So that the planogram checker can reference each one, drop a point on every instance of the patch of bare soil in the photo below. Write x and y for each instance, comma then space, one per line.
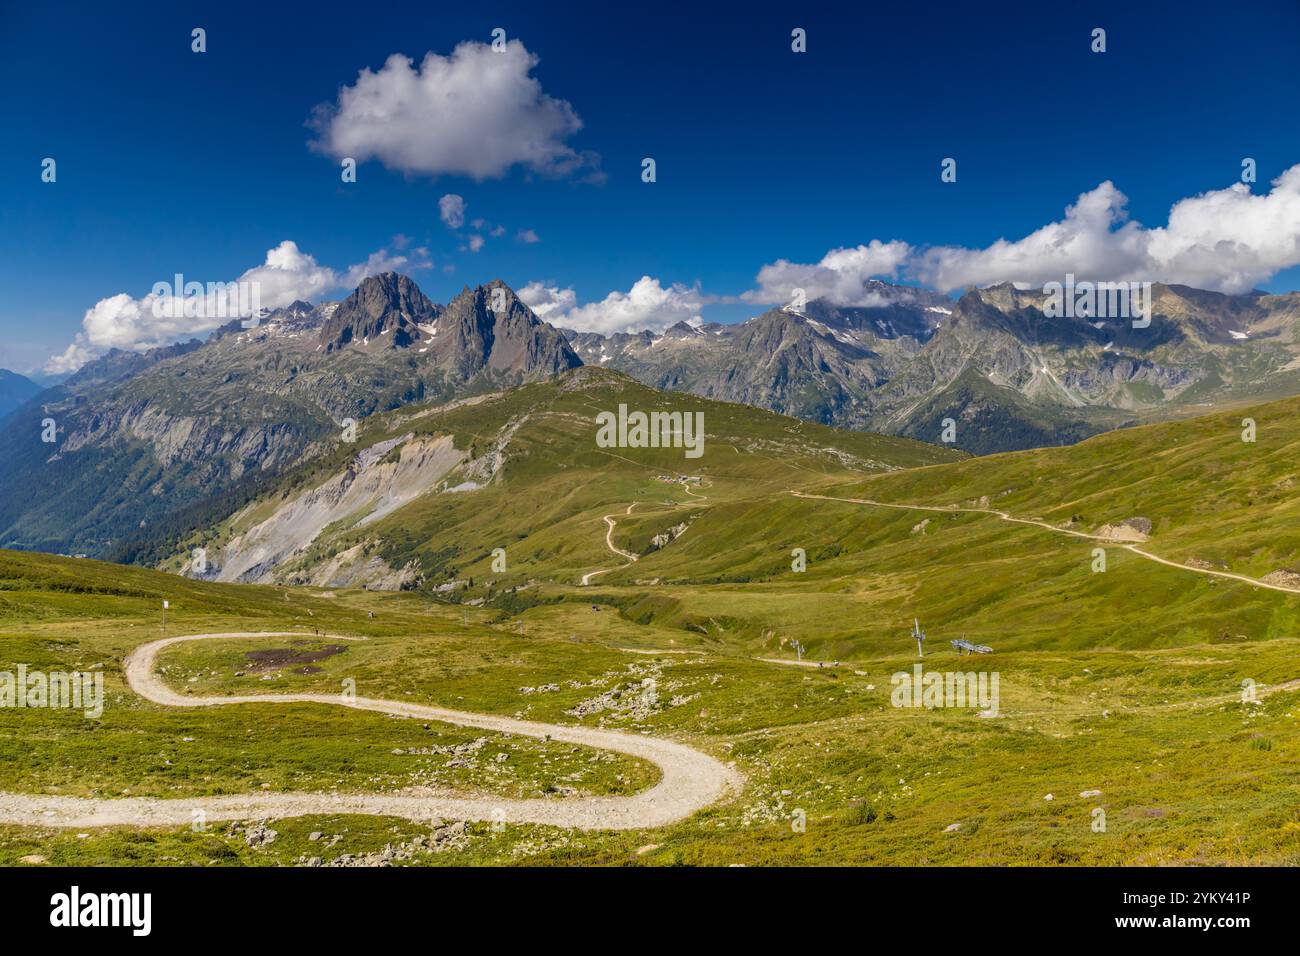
274, 659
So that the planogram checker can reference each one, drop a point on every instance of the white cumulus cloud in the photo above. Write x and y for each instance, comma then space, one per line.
1230, 240
840, 276
1226, 239
166, 315
288, 274
547, 302
647, 305
476, 113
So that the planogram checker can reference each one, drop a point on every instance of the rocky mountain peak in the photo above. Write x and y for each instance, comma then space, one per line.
682, 330
385, 309
489, 327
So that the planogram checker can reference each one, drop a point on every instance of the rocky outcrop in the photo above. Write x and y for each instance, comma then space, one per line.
665, 538
1283, 577
1130, 529
216, 447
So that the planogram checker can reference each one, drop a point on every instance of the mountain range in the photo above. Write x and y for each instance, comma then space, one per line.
1006, 375
148, 446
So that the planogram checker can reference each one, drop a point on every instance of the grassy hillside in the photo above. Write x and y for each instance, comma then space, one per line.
728, 576
1210, 495
1214, 502
540, 483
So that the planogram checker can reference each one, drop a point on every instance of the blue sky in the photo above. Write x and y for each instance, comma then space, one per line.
171, 161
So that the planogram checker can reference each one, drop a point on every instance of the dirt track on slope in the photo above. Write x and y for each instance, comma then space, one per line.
816, 665
609, 543
1255, 582
690, 780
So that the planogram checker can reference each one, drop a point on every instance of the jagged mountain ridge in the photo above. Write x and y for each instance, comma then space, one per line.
140, 437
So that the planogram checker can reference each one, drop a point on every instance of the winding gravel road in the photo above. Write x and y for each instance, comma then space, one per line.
609, 543
690, 780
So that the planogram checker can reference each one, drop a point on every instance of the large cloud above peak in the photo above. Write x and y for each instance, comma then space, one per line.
647, 305
840, 276
1230, 240
1093, 241
477, 113
289, 274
